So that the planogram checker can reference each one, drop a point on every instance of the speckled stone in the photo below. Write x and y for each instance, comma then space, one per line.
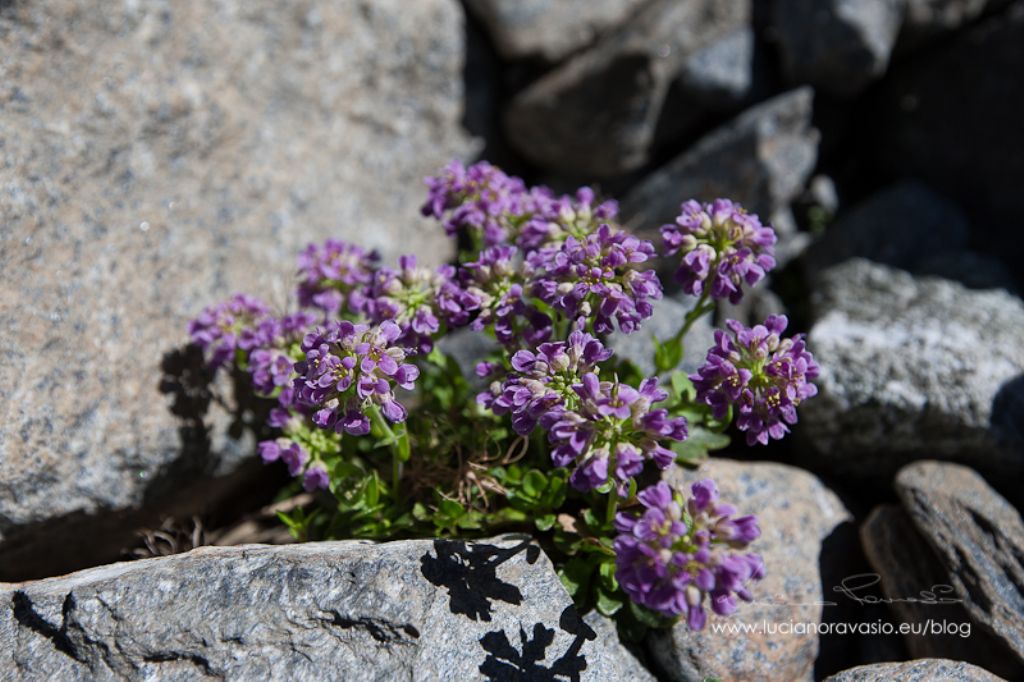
921, 670
911, 368
415, 610
549, 29
979, 539
154, 158
596, 113
796, 513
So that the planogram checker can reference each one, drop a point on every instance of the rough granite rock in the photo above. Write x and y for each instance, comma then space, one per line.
921, 670
913, 577
796, 514
947, 94
154, 158
839, 46
418, 610
721, 74
914, 368
596, 114
979, 539
762, 159
549, 29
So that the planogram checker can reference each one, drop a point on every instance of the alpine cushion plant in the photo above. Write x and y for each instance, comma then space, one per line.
554, 433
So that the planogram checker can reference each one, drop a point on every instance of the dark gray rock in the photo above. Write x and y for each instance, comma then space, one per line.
419, 609
549, 29
921, 593
926, 20
913, 368
979, 539
156, 157
973, 270
937, 121
722, 74
921, 670
899, 226
596, 114
839, 46
762, 159
796, 514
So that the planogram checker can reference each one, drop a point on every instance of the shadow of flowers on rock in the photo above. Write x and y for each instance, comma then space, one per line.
505, 662
470, 574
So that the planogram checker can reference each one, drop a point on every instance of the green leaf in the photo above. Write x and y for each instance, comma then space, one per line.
545, 522
534, 483
667, 355
577, 575
608, 603
696, 447
683, 387
607, 572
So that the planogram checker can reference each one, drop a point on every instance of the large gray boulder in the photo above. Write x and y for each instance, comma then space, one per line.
797, 514
417, 610
549, 29
920, 592
762, 159
596, 114
979, 539
156, 157
920, 670
914, 368
839, 46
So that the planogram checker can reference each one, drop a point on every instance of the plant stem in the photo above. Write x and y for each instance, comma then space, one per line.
398, 446
613, 505
703, 306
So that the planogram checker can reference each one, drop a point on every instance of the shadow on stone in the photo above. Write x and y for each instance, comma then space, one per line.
194, 481
505, 662
469, 573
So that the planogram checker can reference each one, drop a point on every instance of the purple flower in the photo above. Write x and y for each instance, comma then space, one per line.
288, 451
610, 431
597, 280
480, 200
495, 283
759, 373
332, 276
315, 478
350, 370
419, 301
723, 247
497, 209
223, 328
557, 219
542, 380
674, 556
272, 344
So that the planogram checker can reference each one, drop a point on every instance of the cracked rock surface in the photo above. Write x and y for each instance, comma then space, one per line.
418, 609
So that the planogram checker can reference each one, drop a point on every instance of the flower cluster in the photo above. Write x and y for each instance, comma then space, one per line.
611, 431
272, 356
497, 209
597, 280
349, 374
673, 557
722, 248
222, 329
543, 380
333, 276
763, 375
495, 284
419, 301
